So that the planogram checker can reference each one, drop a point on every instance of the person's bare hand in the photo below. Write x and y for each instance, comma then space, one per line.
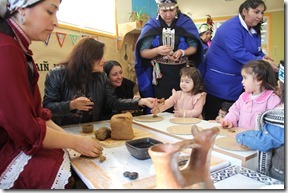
179, 113
81, 103
155, 110
149, 102
226, 124
176, 55
266, 57
88, 146
164, 50
271, 62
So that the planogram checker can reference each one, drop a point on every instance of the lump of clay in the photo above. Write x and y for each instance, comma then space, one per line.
103, 133
121, 126
88, 128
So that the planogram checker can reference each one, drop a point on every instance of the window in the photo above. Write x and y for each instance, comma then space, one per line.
93, 15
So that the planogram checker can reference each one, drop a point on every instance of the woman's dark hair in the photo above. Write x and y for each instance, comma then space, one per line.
262, 71
81, 60
195, 75
253, 4
109, 65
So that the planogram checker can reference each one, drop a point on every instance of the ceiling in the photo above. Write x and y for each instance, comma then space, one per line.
198, 9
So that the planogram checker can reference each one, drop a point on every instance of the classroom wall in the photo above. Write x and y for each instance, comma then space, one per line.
47, 55
277, 41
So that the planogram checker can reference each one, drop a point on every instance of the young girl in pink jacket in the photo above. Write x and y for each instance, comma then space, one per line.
189, 101
259, 83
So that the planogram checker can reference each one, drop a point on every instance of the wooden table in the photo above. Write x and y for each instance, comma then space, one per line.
109, 174
244, 158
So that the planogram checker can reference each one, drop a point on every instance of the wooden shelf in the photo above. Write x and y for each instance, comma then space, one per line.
125, 29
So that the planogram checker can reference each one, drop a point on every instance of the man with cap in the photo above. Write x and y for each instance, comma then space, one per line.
167, 43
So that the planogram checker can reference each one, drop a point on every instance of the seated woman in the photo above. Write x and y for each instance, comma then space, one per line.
77, 89
123, 87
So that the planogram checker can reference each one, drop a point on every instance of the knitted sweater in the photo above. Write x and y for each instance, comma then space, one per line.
272, 161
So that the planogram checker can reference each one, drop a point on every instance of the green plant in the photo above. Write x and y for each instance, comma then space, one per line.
139, 16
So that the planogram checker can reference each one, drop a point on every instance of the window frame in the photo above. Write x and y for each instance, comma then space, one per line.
64, 17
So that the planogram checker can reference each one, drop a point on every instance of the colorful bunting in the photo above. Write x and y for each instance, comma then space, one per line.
60, 38
74, 38
47, 41
85, 36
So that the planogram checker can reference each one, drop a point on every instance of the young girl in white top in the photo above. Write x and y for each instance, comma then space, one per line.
259, 83
189, 101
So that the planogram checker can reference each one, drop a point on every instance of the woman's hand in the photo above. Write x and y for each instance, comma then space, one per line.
88, 146
82, 104
176, 55
271, 62
164, 50
152, 53
149, 102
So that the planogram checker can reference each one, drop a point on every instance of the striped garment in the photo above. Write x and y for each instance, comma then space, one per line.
273, 117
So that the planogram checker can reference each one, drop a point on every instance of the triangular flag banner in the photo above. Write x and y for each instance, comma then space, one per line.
85, 36
47, 41
60, 38
74, 38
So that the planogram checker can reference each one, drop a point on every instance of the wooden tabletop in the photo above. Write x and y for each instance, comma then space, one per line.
109, 174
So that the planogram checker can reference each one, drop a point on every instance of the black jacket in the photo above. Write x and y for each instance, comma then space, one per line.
57, 97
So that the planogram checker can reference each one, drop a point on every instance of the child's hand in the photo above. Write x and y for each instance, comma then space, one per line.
179, 113
155, 110
173, 91
226, 124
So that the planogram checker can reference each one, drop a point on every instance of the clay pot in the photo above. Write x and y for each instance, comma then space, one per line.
87, 128
121, 126
196, 173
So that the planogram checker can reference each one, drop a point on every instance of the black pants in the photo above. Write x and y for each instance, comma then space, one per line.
212, 106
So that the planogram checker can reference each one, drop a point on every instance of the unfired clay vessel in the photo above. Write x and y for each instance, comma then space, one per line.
196, 173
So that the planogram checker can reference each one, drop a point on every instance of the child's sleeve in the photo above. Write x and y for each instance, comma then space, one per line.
234, 113
273, 101
271, 136
198, 103
170, 102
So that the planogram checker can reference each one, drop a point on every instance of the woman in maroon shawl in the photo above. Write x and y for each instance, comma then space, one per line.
32, 147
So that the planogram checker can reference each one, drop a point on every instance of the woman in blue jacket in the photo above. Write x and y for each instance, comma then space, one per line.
236, 42
167, 43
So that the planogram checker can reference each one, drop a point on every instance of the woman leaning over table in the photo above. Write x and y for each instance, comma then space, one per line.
77, 90
123, 87
236, 42
159, 56
32, 147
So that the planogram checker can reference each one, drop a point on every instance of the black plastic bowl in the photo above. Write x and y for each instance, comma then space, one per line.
138, 148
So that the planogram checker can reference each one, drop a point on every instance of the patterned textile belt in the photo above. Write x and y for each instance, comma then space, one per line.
166, 60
